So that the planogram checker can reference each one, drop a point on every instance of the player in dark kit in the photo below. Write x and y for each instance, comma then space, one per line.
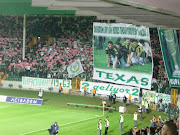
122, 53
111, 54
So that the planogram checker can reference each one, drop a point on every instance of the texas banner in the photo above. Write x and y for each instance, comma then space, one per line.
75, 68
108, 88
122, 54
171, 50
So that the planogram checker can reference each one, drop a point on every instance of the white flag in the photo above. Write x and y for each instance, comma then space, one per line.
75, 68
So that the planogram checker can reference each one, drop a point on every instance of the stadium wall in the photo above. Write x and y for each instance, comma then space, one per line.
18, 85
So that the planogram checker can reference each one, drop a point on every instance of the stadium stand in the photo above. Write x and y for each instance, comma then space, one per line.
46, 58
52, 44
160, 81
50, 38
155, 127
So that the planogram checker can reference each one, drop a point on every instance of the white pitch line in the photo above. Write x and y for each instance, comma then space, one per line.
61, 125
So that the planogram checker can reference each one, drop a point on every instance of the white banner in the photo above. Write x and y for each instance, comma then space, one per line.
107, 89
147, 94
75, 68
120, 54
165, 98
31, 82
3, 98
127, 78
121, 30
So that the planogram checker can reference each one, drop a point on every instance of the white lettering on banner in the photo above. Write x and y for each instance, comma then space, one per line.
3, 98
107, 89
26, 101
45, 83
175, 81
127, 78
34, 101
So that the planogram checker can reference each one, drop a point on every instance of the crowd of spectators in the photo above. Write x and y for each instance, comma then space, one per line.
71, 38
46, 58
170, 109
160, 81
158, 126
11, 26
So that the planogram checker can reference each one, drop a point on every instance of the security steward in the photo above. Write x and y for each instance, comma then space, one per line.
94, 92
121, 119
106, 125
60, 89
85, 90
99, 127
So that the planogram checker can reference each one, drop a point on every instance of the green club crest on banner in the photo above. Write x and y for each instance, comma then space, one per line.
75, 67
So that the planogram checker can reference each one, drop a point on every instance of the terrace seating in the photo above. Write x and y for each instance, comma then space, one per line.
47, 60
159, 73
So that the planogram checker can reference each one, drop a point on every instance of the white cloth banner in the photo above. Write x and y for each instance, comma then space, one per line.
75, 68
122, 77
121, 30
31, 82
107, 89
3, 98
147, 94
165, 98
110, 62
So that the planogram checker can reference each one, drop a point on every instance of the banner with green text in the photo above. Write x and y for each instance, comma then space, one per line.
107, 89
31, 82
147, 94
166, 99
122, 54
171, 54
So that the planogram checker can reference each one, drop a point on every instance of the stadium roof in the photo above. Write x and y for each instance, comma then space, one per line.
152, 13
139, 12
20, 7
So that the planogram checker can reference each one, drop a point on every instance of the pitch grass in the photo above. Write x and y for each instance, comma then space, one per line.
19, 119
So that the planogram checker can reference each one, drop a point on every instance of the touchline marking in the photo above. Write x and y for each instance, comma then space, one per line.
62, 125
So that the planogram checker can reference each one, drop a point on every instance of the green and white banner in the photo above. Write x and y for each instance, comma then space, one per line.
147, 94
121, 30
107, 89
165, 98
126, 78
75, 68
30, 82
122, 54
171, 55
